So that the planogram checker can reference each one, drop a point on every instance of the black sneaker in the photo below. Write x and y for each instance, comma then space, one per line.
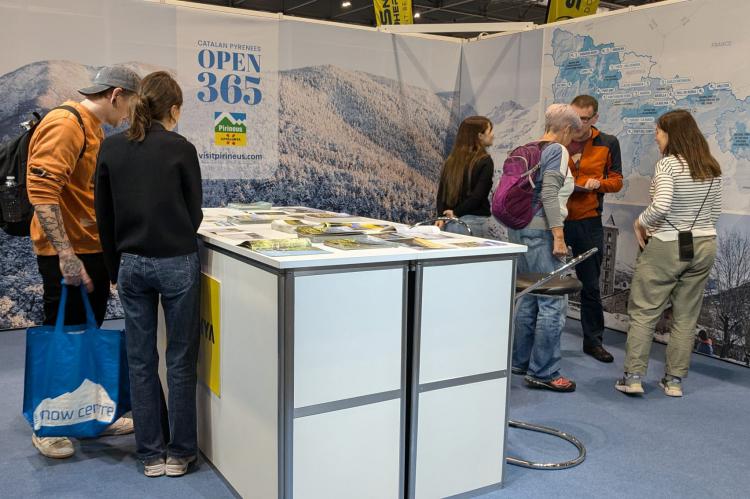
559, 384
599, 353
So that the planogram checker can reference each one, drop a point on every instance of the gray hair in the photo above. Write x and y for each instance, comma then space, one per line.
558, 116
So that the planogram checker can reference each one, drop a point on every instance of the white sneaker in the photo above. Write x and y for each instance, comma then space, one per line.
178, 466
54, 447
122, 426
154, 467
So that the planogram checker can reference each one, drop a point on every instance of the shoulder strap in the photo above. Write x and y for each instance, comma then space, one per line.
699, 209
75, 113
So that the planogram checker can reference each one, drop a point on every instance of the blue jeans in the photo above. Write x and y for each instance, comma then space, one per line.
539, 320
141, 282
477, 224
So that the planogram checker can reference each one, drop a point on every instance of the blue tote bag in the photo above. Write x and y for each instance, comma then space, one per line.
76, 376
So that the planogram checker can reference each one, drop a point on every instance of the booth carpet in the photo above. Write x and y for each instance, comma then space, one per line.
654, 446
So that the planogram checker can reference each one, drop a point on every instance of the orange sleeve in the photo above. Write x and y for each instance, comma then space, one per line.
53, 154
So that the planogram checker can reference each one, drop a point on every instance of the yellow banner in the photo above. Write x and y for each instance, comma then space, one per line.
208, 356
393, 12
560, 10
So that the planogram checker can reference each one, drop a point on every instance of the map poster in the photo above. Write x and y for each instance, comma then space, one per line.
639, 65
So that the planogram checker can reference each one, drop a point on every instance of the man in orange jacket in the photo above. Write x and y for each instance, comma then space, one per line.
597, 168
60, 184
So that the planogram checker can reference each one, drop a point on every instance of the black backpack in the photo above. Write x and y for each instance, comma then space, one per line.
14, 156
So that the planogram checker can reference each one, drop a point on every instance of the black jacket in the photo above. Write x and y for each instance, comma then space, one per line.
474, 196
148, 196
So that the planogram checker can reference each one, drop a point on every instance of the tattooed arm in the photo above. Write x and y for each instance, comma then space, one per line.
71, 266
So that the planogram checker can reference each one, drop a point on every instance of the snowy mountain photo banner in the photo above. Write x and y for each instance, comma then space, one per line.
285, 111
501, 79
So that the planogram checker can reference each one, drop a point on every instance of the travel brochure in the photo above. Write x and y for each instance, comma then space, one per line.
319, 233
256, 217
283, 247
477, 244
421, 243
359, 243
339, 231
258, 205
288, 225
233, 232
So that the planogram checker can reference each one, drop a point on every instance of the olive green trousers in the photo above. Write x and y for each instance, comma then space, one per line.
660, 279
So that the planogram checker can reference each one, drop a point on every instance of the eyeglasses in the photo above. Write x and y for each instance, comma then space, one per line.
586, 119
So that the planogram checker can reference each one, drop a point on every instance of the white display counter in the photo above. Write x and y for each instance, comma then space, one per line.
361, 373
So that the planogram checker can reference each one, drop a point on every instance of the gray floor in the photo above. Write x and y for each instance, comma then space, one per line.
646, 447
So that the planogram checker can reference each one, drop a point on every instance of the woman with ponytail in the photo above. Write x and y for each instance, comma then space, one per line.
466, 178
148, 207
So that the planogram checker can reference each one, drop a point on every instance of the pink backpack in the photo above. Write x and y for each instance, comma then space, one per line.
513, 201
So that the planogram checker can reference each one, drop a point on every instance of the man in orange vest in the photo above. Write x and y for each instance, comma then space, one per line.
597, 168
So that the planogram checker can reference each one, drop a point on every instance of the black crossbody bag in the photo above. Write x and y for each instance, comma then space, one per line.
685, 237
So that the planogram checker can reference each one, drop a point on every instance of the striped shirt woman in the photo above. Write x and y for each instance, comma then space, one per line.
676, 261
681, 203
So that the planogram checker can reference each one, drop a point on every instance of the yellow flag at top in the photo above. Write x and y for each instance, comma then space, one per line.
393, 12
560, 10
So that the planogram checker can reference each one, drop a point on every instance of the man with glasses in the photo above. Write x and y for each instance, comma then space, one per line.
597, 168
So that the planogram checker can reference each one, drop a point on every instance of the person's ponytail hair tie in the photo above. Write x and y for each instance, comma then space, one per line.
140, 119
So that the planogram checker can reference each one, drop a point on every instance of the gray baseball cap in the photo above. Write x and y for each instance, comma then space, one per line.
113, 77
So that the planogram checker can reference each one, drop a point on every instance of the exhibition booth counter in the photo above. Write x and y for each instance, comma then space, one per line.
362, 360
221, 228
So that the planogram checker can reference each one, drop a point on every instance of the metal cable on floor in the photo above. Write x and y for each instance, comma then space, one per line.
516, 461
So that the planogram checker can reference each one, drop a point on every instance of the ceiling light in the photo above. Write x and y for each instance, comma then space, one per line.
417, 15
346, 4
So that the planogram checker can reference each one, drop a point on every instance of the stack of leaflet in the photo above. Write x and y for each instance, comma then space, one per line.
256, 217
288, 225
254, 206
283, 247
328, 216
323, 232
359, 243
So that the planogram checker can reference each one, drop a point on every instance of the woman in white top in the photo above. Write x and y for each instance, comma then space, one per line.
677, 233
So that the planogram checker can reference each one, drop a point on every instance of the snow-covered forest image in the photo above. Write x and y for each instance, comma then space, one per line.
353, 142
348, 141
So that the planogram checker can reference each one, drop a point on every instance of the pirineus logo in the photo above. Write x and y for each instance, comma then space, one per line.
88, 402
230, 129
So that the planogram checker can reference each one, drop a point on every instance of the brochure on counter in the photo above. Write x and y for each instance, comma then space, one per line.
327, 216
477, 244
323, 232
288, 225
335, 230
359, 243
283, 247
257, 217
